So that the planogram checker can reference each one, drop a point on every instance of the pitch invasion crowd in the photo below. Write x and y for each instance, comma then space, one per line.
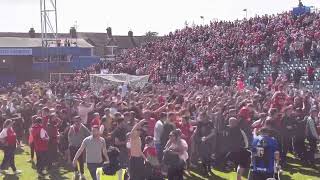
159, 129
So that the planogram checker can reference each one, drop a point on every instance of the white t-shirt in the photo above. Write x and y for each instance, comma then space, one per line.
83, 112
49, 93
113, 111
124, 90
43, 134
158, 129
184, 156
4, 133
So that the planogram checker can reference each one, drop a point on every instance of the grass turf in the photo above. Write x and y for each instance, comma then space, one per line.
294, 171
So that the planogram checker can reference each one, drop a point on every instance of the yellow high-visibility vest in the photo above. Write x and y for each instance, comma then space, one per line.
110, 177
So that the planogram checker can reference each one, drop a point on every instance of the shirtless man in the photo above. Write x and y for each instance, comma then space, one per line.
136, 165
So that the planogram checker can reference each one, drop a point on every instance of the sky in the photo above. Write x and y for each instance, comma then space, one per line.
140, 16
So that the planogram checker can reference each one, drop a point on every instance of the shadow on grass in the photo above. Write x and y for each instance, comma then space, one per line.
305, 171
19, 151
296, 166
60, 171
57, 174
10, 177
196, 173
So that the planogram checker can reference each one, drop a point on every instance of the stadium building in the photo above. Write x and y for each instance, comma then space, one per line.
22, 56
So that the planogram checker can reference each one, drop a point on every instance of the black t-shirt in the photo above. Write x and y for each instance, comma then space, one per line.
27, 115
204, 128
167, 128
120, 133
234, 139
101, 110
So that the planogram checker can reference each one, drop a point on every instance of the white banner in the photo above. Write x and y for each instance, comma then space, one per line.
101, 81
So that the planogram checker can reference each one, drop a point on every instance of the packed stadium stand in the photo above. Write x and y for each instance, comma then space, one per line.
221, 51
217, 53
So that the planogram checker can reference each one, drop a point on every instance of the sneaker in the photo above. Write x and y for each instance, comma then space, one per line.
17, 172
41, 172
211, 173
82, 177
76, 175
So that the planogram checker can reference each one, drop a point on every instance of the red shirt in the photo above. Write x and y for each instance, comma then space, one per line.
310, 71
95, 122
161, 99
187, 131
151, 124
40, 144
278, 96
240, 85
151, 151
11, 137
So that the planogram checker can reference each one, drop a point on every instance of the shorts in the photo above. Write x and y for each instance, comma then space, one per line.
241, 158
259, 175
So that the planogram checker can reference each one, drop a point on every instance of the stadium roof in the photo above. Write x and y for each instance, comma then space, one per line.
97, 40
20, 42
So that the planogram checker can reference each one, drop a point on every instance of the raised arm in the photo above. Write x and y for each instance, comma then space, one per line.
167, 145
161, 109
70, 133
104, 151
137, 126
101, 130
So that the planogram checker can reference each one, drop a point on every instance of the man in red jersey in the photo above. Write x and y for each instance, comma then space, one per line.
40, 139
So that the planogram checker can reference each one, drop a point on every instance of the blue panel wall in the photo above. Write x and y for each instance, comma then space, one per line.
75, 51
83, 62
51, 51
76, 63
298, 11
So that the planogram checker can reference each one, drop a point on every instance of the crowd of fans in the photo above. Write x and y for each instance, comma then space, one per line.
221, 51
159, 130
164, 130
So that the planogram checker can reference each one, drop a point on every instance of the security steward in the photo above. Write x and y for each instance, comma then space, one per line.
111, 170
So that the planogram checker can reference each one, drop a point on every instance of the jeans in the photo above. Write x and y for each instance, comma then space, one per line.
53, 152
8, 158
286, 146
313, 148
73, 151
42, 160
175, 173
32, 150
299, 146
123, 156
159, 151
93, 169
136, 168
